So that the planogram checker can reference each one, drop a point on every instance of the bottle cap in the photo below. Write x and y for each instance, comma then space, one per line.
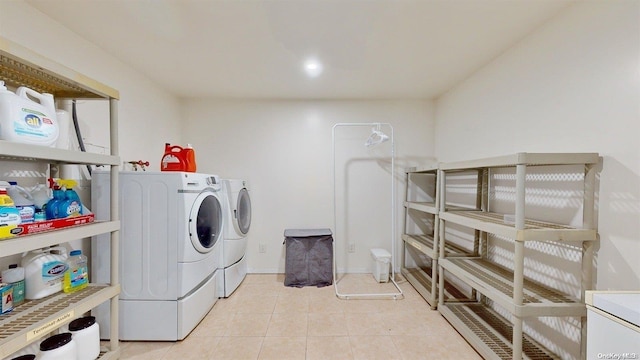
76, 252
82, 323
55, 342
25, 357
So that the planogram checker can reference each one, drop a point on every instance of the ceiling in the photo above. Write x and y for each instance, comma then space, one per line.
376, 49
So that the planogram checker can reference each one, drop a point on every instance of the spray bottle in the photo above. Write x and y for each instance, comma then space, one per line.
71, 206
51, 209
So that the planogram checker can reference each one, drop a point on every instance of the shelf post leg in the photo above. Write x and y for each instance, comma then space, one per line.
588, 222
115, 235
437, 244
440, 203
518, 263
403, 247
518, 287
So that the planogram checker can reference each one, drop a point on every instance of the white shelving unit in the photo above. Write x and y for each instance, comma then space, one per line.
35, 319
422, 202
493, 336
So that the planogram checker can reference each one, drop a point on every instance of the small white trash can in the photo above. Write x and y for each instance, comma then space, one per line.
381, 261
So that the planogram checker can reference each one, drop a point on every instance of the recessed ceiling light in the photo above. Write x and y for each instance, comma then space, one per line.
313, 67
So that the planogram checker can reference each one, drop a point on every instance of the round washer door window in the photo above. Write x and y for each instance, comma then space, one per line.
205, 222
243, 212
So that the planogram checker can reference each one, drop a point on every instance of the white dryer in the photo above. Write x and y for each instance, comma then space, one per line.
234, 247
170, 251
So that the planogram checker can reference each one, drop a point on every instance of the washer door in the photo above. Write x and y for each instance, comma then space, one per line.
205, 222
243, 211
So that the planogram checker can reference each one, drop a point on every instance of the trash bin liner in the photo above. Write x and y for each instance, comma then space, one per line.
308, 257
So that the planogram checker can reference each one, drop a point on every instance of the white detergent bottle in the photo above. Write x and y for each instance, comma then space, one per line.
64, 126
40, 195
23, 201
44, 271
28, 117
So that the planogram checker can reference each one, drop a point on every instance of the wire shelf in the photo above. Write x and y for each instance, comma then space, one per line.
489, 333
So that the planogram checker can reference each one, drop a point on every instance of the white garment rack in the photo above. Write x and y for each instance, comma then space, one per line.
379, 139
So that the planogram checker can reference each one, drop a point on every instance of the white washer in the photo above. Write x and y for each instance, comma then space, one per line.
236, 229
170, 251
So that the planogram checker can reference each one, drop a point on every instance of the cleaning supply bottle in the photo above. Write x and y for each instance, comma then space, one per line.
77, 275
15, 276
58, 347
71, 205
51, 209
23, 201
43, 271
190, 158
177, 158
9, 215
41, 196
173, 158
64, 124
28, 117
6, 298
86, 333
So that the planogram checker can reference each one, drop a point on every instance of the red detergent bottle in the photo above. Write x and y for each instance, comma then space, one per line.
177, 158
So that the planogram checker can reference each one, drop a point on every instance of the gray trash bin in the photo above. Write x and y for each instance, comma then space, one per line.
308, 257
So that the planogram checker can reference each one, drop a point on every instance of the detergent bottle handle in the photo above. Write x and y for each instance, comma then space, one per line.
44, 98
61, 250
24, 192
174, 147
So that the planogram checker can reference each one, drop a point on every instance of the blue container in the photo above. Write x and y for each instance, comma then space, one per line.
71, 205
51, 209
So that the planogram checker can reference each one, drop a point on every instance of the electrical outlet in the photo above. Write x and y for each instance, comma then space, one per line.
262, 248
352, 248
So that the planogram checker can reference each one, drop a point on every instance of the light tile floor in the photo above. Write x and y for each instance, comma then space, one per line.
263, 319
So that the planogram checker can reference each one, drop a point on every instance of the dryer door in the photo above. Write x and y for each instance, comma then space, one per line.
243, 211
205, 222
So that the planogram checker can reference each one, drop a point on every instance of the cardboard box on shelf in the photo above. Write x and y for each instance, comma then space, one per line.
49, 225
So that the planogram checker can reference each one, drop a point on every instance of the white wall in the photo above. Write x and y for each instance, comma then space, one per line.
148, 115
572, 86
284, 150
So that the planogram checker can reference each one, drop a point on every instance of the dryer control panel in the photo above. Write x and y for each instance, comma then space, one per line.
212, 180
